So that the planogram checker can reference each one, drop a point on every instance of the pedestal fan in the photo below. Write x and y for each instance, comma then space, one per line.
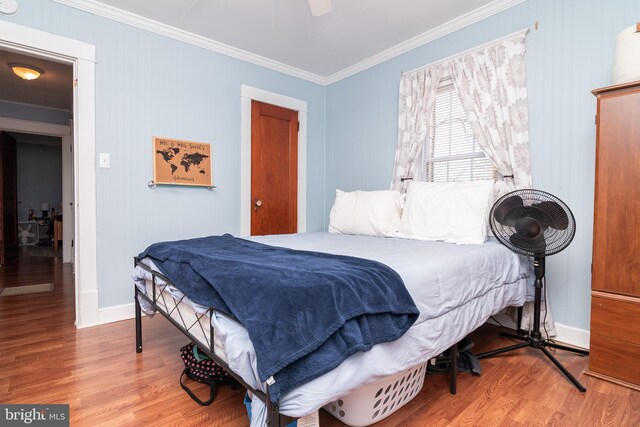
28, 233
537, 224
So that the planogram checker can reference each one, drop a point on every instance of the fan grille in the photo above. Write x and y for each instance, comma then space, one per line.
555, 210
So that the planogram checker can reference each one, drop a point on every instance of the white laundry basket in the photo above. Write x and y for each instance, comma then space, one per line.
374, 402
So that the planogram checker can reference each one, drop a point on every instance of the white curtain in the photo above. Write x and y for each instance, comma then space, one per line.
492, 86
417, 98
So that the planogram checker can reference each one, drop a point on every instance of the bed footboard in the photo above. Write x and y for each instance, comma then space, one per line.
274, 418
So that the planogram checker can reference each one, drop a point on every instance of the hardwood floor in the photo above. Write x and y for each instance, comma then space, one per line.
45, 359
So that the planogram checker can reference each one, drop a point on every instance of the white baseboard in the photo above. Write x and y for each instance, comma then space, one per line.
117, 313
565, 334
573, 336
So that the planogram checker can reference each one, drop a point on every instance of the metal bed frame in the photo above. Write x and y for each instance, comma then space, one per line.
274, 418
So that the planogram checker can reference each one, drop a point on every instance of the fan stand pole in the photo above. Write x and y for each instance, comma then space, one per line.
534, 339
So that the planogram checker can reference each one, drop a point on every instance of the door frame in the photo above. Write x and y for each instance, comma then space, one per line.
247, 94
82, 56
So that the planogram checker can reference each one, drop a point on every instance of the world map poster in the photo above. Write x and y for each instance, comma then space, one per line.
180, 162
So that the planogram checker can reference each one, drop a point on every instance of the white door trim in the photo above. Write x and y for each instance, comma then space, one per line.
82, 56
247, 94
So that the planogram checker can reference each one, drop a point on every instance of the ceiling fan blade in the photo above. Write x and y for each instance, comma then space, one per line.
320, 7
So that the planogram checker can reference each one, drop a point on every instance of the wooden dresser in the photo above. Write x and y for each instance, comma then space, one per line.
615, 282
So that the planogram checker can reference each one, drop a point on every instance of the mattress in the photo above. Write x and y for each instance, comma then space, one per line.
455, 287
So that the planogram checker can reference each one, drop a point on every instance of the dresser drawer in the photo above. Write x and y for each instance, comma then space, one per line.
615, 317
615, 359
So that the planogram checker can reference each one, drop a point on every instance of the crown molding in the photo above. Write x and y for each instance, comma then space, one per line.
147, 24
440, 31
113, 13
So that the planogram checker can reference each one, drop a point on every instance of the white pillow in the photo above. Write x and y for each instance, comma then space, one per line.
369, 213
455, 212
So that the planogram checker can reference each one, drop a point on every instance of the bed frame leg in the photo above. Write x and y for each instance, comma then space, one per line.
519, 311
273, 412
273, 415
453, 369
138, 323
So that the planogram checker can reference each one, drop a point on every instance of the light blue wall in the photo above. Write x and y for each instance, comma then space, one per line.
39, 178
150, 85
568, 56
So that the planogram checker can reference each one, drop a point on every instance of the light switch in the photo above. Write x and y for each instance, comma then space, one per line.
105, 161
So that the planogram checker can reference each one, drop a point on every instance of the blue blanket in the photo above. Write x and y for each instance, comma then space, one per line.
305, 312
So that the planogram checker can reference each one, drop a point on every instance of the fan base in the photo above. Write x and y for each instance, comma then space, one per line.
540, 344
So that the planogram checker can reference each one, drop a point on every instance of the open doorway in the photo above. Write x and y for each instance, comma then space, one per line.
36, 176
82, 57
39, 193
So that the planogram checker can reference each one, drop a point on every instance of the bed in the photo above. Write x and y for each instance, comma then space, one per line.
455, 287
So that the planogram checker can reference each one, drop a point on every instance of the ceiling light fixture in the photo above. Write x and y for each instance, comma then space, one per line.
27, 72
8, 7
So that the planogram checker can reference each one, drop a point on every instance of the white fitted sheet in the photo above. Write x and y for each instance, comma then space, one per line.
455, 287
192, 316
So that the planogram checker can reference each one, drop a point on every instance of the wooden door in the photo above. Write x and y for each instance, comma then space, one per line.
274, 169
616, 234
8, 197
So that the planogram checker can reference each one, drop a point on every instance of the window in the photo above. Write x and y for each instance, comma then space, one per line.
451, 152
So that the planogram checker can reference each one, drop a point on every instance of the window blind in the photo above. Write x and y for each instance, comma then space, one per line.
452, 153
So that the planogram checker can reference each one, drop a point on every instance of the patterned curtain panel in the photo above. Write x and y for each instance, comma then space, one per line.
492, 86
417, 98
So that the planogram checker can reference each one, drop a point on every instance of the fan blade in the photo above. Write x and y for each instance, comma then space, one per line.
536, 245
552, 215
509, 210
320, 7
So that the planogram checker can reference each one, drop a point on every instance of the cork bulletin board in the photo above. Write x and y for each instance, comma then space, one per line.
180, 162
